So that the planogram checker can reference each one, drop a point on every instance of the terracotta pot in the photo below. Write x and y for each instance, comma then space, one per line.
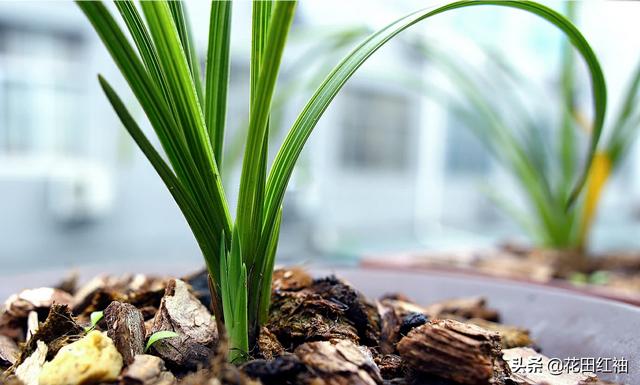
564, 323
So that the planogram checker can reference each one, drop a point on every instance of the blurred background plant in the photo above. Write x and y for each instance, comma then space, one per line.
541, 152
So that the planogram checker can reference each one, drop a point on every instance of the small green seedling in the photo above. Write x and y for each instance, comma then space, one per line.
579, 279
158, 336
599, 277
95, 317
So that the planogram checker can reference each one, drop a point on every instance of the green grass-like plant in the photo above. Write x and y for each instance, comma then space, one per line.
541, 154
159, 336
188, 115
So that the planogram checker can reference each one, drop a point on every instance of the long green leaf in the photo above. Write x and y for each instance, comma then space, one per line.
159, 336
292, 147
567, 141
181, 20
155, 105
190, 118
234, 298
217, 75
180, 194
251, 194
143, 42
627, 123
266, 273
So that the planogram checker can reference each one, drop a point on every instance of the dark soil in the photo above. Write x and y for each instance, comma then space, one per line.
320, 331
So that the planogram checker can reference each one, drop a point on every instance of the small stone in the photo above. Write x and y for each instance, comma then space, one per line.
92, 359
411, 321
147, 370
29, 371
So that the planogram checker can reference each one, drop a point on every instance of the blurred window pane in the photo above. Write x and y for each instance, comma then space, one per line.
375, 132
465, 154
40, 91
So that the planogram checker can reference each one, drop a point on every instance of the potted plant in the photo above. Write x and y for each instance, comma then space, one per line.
256, 313
542, 166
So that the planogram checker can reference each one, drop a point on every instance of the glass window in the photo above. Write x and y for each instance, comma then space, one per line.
375, 131
40, 91
465, 153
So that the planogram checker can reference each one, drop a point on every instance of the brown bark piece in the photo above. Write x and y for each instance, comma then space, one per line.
125, 326
390, 321
10, 379
18, 306
8, 352
181, 312
291, 279
69, 283
511, 336
268, 344
454, 350
515, 266
328, 309
390, 366
297, 317
467, 308
624, 262
147, 370
338, 363
139, 290
362, 313
58, 330
392, 313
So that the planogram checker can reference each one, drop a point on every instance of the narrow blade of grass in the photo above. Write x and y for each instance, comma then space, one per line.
155, 105
567, 141
217, 75
190, 118
287, 156
181, 20
143, 42
266, 273
627, 123
251, 194
234, 298
198, 223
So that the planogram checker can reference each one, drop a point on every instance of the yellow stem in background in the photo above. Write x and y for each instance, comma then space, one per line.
598, 175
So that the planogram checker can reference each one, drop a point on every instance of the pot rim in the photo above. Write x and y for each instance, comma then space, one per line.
586, 290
